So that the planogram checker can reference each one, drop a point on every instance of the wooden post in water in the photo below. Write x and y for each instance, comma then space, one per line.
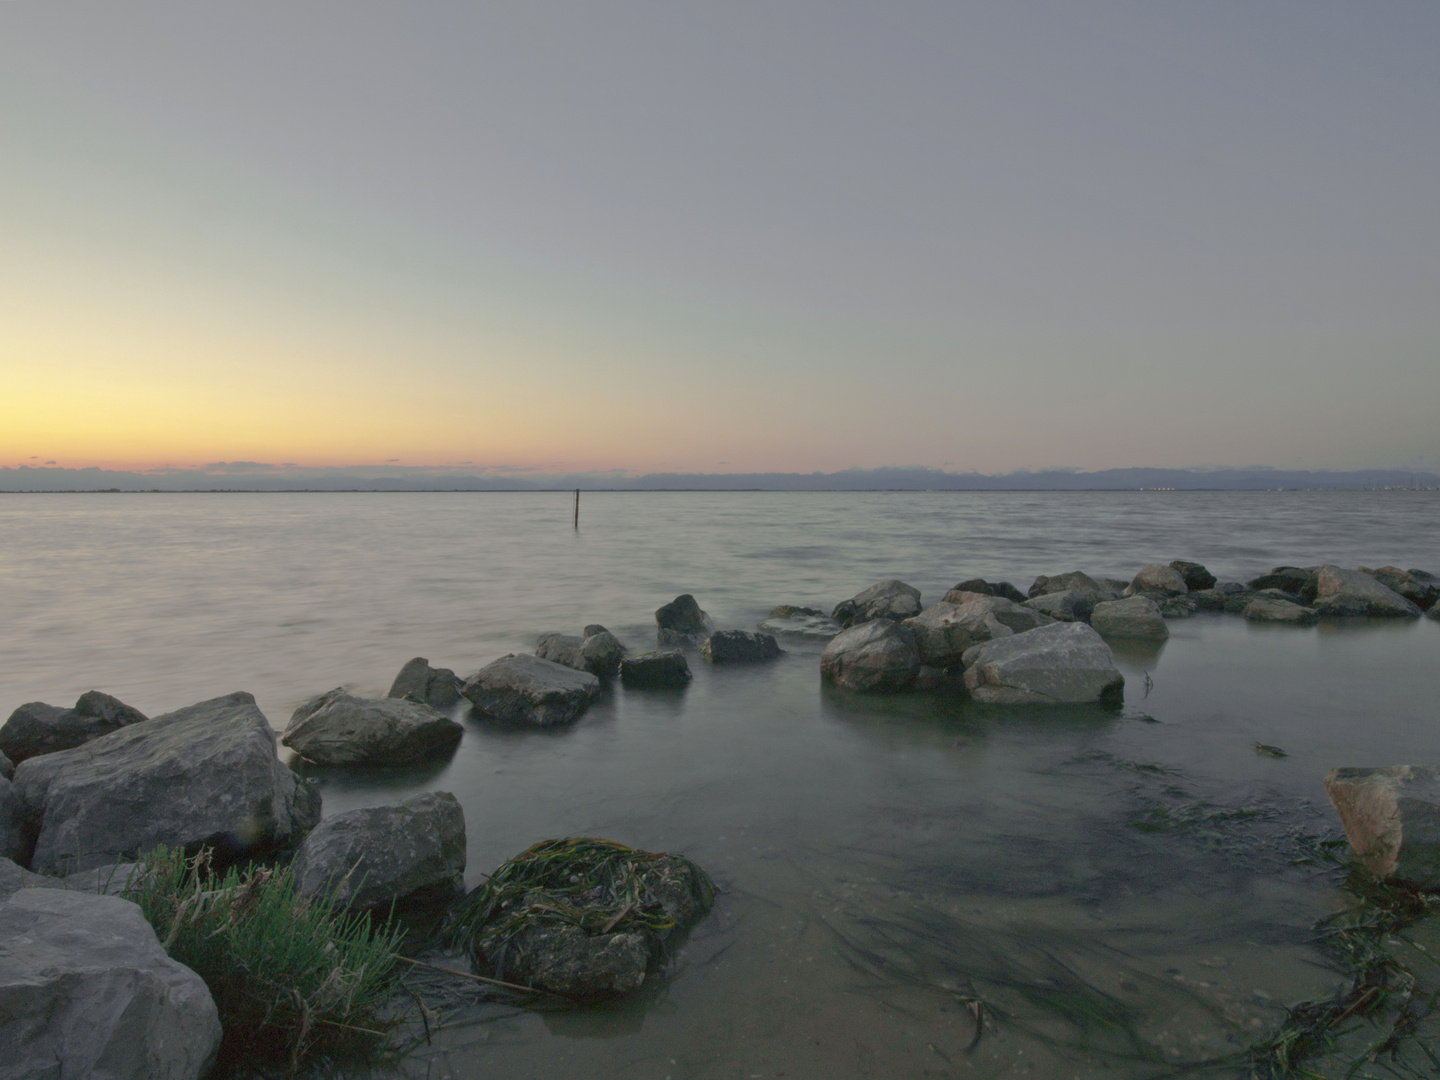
577, 509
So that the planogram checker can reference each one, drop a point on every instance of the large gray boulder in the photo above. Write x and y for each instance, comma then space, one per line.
206, 774
658, 670
597, 651
338, 729
1135, 618
1420, 588
1196, 577
1159, 578
890, 599
802, 622
1072, 605
522, 689
1060, 583
681, 622
413, 852
739, 647
1351, 592
14, 824
1065, 663
1391, 817
945, 630
437, 687
991, 588
1273, 609
87, 991
1019, 616
880, 656
36, 728
14, 877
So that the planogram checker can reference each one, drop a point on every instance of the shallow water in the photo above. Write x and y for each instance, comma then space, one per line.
1117, 887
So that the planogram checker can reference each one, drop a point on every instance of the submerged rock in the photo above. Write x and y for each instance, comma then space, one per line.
413, 852
206, 774
418, 681
599, 652
1065, 663
528, 690
1271, 609
1351, 592
681, 622
739, 647
338, 729
874, 657
890, 599
1135, 617
1196, 577
800, 622
664, 668
37, 728
87, 991
1391, 817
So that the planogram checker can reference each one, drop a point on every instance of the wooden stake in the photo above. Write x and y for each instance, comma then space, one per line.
577, 508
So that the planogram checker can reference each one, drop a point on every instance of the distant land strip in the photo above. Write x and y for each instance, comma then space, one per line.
257, 477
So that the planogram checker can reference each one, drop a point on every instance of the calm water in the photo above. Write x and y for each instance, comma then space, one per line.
881, 859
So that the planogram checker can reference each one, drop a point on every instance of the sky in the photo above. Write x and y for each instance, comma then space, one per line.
567, 237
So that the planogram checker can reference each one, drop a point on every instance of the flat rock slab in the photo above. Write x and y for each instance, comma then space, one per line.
338, 729
87, 991
1350, 592
413, 852
522, 689
739, 647
664, 668
1061, 664
1270, 609
890, 599
206, 774
36, 728
437, 687
800, 622
1391, 817
879, 656
1135, 618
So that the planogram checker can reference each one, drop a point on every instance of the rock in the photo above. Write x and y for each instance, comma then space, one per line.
1061, 583
38, 728
655, 670
945, 630
739, 647
87, 991
7, 767
987, 588
1350, 592
413, 852
1208, 599
1158, 578
1196, 577
1065, 663
1391, 816
206, 774
1434, 613
889, 599
874, 657
681, 622
14, 877
1134, 617
1420, 588
528, 690
1175, 607
1292, 579
15, 840
800, 622
1018, 617
338, 729
108, 880
599, 653
418, 681
1070, 606
1269, 609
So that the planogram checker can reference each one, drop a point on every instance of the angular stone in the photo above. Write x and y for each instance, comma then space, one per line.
1065, 663
14, 877
1061, 583
413, 852
338, 729
418, 681
1196, 576
1270, 609
599, 653
800, 622
1292, 579
37, 728
1136, 617
878, 656
1391, 817
1208, 599
945, 630
14, 824
664, 668
528, 690
1157, 577
739, 647
1074, 605
206, 774
890, 599
87, 991
1350, 592
681, 622
991, 588
1019, 617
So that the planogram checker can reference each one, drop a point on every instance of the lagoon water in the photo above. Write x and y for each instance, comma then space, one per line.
1121, 889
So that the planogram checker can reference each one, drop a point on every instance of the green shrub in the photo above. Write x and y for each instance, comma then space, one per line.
291, 977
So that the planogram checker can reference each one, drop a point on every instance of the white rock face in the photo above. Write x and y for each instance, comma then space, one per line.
1134, 618
87, 991
1391, 817
1061, 664
1350, 592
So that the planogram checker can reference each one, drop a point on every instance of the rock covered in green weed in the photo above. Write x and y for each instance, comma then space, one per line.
582, 917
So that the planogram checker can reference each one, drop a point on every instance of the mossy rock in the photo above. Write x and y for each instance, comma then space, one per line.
581, 918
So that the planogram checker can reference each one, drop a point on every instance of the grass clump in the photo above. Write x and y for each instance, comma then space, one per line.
293, 978
570, 904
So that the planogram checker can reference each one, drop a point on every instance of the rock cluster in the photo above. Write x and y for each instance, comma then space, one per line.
597, 651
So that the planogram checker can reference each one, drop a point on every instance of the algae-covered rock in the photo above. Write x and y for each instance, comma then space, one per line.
581, 918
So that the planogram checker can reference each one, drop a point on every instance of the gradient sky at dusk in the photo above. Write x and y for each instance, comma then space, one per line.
724, 237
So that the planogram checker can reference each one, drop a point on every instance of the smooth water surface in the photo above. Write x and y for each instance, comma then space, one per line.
1118, 887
